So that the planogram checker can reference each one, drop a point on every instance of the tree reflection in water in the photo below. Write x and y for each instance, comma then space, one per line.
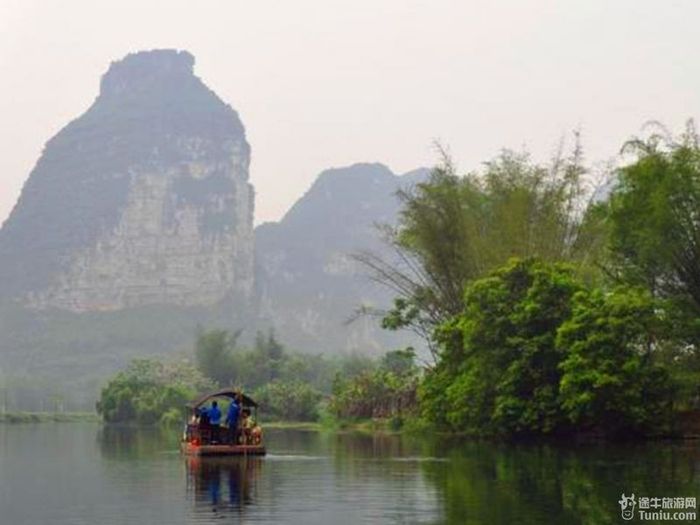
127, 442
222, 484
351, 478
486, 483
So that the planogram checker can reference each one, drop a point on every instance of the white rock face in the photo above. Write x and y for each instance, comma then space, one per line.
161, 252
144, 199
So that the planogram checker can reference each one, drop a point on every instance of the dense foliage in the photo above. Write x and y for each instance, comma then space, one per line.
454, 229
387, 390
610, 378
499, 370
655, 223
287, 386
593, 328
150, 392
546, 311
290, 400
292, 386
533, 352
220, 357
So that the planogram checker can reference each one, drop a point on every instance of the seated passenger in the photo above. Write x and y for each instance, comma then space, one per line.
247, 424
202, 427
256, 435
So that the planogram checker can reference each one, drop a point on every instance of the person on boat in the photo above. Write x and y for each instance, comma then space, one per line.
234, 410
214, 420
256, 435
247, 425
203, 427
191, 426
203, 416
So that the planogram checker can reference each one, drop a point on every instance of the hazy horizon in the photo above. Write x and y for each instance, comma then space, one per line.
321, 85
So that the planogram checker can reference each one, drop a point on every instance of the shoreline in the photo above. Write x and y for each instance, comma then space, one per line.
47, 417
365, 426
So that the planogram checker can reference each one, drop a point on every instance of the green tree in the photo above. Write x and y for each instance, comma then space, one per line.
291, 401
610, 381
453, 230
214, 355
499, 367
265, 362
401, 363
655, 221
385, 389
268, 355
150, 391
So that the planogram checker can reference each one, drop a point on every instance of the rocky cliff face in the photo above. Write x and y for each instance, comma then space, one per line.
144, 199
308, 284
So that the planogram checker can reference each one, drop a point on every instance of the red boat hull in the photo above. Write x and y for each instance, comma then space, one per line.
190, 449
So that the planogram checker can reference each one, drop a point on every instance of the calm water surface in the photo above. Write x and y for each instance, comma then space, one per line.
75, 473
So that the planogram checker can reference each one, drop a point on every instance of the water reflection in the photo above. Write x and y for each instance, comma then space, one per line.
317, 478
491, 483
222, 485
128, 442
485, 483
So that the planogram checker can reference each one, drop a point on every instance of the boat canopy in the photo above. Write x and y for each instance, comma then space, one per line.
230, 393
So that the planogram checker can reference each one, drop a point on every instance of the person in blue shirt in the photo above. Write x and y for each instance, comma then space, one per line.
234, 410
202, 416
214, 420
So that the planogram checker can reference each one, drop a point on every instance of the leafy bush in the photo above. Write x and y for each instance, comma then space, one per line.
534, 352
149, 392
499, 369
610, 380
386, 390
293, 401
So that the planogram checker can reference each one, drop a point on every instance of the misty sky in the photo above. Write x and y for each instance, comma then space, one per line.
322, 83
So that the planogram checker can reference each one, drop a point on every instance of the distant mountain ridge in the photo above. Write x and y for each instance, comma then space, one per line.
136, 226
308, 284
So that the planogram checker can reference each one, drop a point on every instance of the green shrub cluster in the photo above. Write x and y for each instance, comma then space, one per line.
386, 390
549, 307
535, 352
149, 392
289, 400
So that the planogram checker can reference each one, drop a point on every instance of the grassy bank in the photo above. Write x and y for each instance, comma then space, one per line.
47, 417
392, 425
311, 426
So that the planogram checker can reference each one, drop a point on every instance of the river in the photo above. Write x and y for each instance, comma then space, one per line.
83, 473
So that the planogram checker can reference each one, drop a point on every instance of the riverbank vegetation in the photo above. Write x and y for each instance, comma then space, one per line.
551, 308
550, 305
46, 417
290, 386
151, 391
